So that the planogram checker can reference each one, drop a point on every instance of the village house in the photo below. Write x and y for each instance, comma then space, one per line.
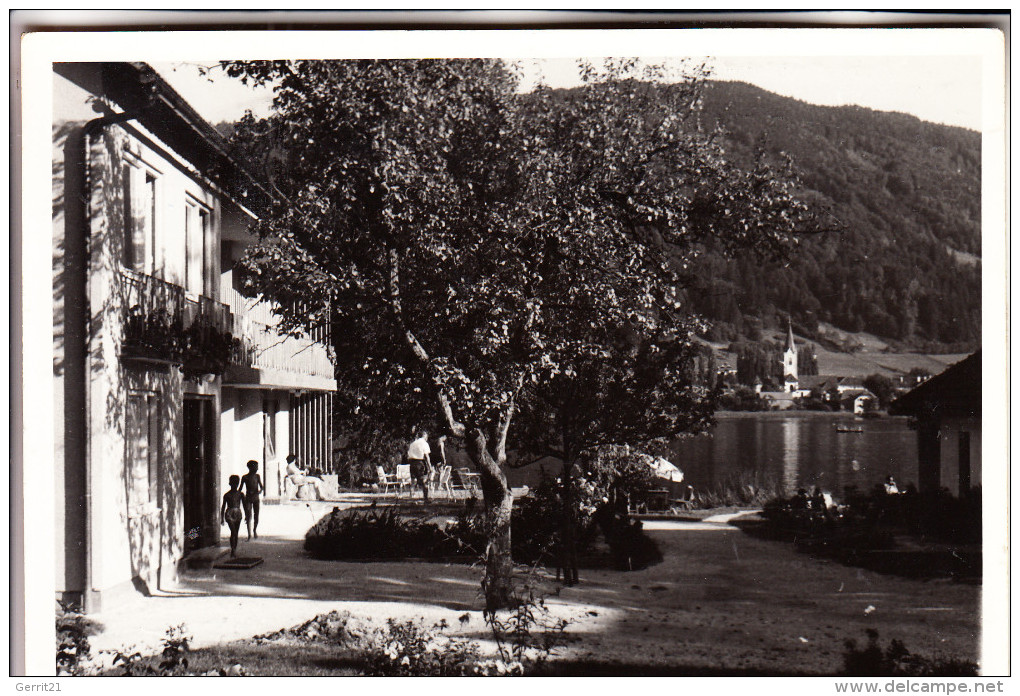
857, 401
779, 400
166, 379
948, 412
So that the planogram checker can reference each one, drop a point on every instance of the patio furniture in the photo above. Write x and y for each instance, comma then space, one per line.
306, 491
403, 477
686, 501
443, 480
386, 481
469, 480
657, 500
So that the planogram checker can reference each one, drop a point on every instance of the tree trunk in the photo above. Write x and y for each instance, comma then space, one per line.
568, 538
497, 584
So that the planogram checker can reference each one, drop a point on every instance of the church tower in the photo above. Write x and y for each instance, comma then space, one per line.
790, 360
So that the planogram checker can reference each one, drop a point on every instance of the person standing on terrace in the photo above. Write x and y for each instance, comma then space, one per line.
251, 484
418, 456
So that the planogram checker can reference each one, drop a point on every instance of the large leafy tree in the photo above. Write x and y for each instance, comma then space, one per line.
480, 251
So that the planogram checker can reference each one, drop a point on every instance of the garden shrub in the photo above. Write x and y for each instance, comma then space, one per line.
386, 533
896, 661
173, 661
872, 522
372, 533
408, 648
74, 653
525, 635
631, 548
740, 489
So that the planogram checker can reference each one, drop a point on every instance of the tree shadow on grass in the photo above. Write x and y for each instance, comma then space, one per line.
289, 573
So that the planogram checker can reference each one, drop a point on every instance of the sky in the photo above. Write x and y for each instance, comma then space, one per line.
941, 89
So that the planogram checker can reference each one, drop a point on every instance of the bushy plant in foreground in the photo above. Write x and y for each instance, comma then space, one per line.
896, 661
74, 653
408, 648
526, 635
173, 661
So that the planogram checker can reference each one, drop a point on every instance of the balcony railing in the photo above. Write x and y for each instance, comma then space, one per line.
208, 341
153, 317
261, 346
162, 324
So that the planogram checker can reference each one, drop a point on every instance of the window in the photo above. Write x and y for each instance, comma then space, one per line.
196, 230
141, 466
139, 219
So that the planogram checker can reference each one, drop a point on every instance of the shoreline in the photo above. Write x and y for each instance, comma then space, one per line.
833, 415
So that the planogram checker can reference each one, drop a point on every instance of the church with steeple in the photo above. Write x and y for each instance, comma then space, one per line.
791, 382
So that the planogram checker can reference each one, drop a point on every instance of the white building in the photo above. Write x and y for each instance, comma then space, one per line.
790, 380
159, 396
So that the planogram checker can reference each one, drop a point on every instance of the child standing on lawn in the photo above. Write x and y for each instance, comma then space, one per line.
230, 512
252, 487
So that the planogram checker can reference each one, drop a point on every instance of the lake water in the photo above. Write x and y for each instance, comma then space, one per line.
802, 450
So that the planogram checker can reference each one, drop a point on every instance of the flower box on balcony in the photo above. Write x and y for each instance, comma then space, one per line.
207, 348
153, 321
162, 325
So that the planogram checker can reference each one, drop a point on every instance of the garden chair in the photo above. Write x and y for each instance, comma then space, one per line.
443, 480
404, 477
386, 482
685, 502
468, 479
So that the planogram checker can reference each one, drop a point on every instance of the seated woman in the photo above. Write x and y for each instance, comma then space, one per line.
297, 477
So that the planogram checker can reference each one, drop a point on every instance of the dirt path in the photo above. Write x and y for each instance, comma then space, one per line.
721, 600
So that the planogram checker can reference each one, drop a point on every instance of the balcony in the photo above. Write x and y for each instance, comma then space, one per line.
153, 318
163, 325
208, 341
263, 357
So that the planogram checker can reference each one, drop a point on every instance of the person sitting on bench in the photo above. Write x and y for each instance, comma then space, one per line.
298, 477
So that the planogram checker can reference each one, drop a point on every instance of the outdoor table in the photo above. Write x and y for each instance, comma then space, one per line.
657, 499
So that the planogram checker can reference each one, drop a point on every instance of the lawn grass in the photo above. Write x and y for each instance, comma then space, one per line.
270, 658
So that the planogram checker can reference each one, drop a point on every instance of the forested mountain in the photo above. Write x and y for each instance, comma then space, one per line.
905, 264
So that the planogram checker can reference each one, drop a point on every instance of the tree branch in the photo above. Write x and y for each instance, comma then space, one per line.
417, 349
504, 425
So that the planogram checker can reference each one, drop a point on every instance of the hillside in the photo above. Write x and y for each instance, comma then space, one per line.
870, 360
905, 266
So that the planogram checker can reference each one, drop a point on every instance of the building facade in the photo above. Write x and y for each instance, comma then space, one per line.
167, 380
947, 408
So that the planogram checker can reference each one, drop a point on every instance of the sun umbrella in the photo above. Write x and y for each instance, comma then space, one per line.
666, 470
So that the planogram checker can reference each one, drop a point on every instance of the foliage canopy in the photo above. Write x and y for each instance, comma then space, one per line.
473, 246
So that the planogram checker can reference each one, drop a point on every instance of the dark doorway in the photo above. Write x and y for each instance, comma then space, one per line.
200, 522
270, 469
964, 463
